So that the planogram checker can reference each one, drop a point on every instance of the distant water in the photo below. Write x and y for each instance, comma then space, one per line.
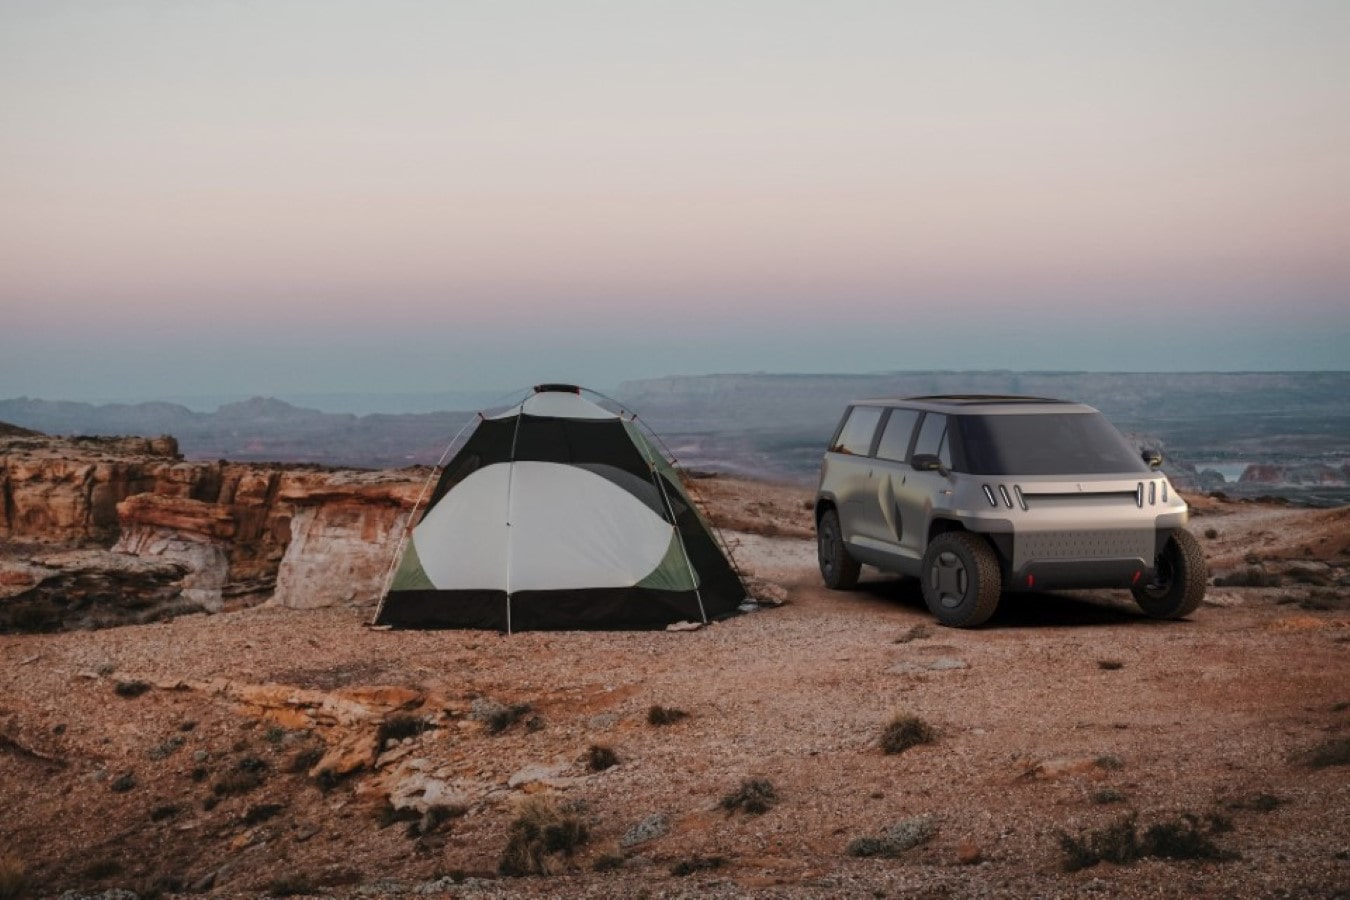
1230, 471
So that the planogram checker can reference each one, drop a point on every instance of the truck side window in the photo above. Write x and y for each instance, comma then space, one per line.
933, 438
859, 429
895, 436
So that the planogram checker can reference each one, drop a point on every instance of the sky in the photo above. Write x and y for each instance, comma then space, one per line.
300, 197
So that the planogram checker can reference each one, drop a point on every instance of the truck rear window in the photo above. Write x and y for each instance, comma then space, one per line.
1046, 444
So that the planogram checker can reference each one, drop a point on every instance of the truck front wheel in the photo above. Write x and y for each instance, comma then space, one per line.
961, 580
1179, 579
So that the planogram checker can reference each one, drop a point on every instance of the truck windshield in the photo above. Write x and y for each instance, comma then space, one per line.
1046, 444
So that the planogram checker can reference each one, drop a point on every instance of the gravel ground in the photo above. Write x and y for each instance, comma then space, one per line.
1068, 714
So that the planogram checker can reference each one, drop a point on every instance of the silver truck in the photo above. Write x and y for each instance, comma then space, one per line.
976, 495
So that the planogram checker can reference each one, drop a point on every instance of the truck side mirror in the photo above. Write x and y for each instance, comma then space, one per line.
1153, 458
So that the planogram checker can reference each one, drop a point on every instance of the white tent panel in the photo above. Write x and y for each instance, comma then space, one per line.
570, 528
461, 542
558, 405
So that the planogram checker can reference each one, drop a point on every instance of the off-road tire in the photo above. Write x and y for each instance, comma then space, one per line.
961, 579
1178, 586
837, 567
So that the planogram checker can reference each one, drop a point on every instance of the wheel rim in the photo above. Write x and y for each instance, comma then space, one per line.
1161, 583
949, 579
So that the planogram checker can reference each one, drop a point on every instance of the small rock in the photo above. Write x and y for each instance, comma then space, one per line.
536, 772
684, 626
305, 832
203, 884
948, 662
649, 829
968, 853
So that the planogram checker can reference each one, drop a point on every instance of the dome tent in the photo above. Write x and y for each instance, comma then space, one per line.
559, 514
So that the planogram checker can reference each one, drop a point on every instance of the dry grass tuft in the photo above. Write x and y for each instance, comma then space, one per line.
600, 757
665, 715
1121, 843
1333, 752
755, 796
130, 689
13, 878
904, 732
541, 830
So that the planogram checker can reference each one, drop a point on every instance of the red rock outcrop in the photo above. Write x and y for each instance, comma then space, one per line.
320, 537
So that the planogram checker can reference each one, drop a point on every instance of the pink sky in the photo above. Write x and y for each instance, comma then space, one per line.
362, 172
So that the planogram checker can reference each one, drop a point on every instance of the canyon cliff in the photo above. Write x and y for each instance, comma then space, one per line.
100, 530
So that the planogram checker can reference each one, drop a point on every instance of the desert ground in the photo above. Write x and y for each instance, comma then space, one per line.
280, 751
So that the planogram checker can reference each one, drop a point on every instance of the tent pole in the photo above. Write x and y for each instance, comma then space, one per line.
412, 514
510, 484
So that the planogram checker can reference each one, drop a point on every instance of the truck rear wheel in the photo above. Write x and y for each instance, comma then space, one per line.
839, 570
1179, 579
961, 580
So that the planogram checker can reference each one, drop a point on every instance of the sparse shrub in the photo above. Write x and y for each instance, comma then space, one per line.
305, 760
187, 725
1107, 795
665, 715
275, 734
535, 723
130, 689
1107, 761
1333, 752
327, 779
915, 633
389, 814
123, 783
34, 616
1252, 576
210, 803
1121, 843
165, 811
1256, 803
607, 862
1110, 665
600, 757
541, 829
1306, 575
694, 864
199, 774
1211, 533
904, 732
246, 775
895, 840
435, 816
290, 886
755, 796
167, 748
505, 718
1183, 839
398, 727
102, 868
262, 812
13, 878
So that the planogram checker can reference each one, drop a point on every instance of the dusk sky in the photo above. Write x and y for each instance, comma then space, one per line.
294, 198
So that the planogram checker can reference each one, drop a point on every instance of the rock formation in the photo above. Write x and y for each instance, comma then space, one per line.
221, 533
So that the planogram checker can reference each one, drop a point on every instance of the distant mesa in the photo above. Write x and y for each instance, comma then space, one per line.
8, 430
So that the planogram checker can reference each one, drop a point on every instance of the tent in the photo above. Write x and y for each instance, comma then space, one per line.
559, 514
